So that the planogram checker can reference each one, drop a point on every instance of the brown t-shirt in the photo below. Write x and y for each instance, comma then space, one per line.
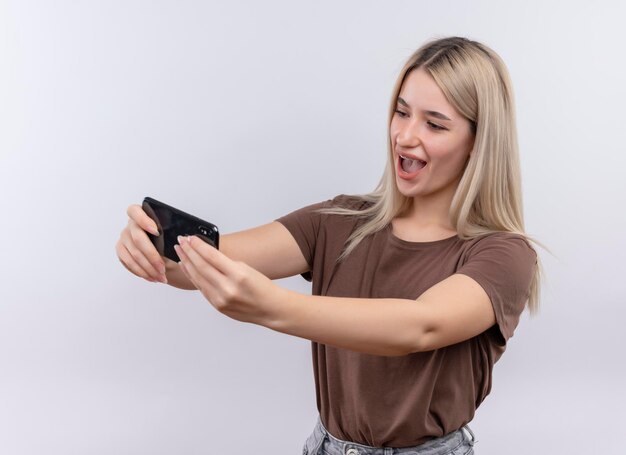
405, 401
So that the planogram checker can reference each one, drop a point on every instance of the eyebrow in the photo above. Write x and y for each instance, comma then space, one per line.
439, 115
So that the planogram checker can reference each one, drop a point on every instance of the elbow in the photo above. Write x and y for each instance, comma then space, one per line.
398, 347
422, 339
405, 349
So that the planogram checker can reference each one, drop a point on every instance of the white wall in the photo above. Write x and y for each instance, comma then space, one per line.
240, 112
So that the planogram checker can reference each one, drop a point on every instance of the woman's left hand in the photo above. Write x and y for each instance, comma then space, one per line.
232, 287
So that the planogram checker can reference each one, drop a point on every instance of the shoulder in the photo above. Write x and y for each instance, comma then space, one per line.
352, 201
504, 243
349, 201
504, 257
503, 263
320, 215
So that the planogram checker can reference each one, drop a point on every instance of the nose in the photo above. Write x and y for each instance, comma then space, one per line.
408, 136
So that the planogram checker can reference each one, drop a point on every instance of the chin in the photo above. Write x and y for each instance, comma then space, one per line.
406, 188
412, 194
415, 191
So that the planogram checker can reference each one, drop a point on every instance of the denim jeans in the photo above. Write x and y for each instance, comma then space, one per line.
321, 442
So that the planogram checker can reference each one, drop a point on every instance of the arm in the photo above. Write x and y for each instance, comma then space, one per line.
269, 248
451, 311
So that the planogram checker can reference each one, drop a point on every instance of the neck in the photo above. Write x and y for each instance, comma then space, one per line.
430, 212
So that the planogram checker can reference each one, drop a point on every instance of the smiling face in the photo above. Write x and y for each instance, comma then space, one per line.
431, 141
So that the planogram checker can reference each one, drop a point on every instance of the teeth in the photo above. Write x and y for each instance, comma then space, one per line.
412, 159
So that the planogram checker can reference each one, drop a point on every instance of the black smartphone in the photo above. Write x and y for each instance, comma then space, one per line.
172, 222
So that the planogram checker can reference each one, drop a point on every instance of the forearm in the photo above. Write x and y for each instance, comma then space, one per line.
269, 248
451, 311
390, 327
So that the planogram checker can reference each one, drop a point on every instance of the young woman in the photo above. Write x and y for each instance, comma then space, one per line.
417, 286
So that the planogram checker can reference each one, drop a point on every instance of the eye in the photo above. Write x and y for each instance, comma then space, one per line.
435, 126
400, 113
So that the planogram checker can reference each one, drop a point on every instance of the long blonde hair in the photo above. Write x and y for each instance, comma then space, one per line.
488, 199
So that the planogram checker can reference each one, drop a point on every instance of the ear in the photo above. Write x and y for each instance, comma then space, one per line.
472, 145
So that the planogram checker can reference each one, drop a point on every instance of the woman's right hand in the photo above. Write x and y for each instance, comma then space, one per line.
135, 250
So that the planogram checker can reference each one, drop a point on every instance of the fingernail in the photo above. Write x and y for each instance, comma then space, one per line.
180, 239
163, 279
160, 267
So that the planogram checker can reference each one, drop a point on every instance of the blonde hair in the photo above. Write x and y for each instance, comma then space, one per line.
488, 198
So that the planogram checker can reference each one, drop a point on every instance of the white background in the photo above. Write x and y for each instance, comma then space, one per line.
240, 112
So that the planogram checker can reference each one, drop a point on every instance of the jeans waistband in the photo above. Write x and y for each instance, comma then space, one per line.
335, 446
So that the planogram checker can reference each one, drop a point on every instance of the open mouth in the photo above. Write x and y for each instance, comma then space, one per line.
411, 165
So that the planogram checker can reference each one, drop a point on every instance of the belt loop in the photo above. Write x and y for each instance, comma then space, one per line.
318, 437
471, 433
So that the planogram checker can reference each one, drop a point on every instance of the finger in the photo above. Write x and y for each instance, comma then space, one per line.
141, 262
191, 270
212, 255
196, 277
148, 256
129, 263
184, 269
183, 266
139, 216
139, 257
196, 263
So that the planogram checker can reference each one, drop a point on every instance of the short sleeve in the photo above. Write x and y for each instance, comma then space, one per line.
304, 225
504, 265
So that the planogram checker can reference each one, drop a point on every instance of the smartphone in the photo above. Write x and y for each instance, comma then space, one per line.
171, 223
